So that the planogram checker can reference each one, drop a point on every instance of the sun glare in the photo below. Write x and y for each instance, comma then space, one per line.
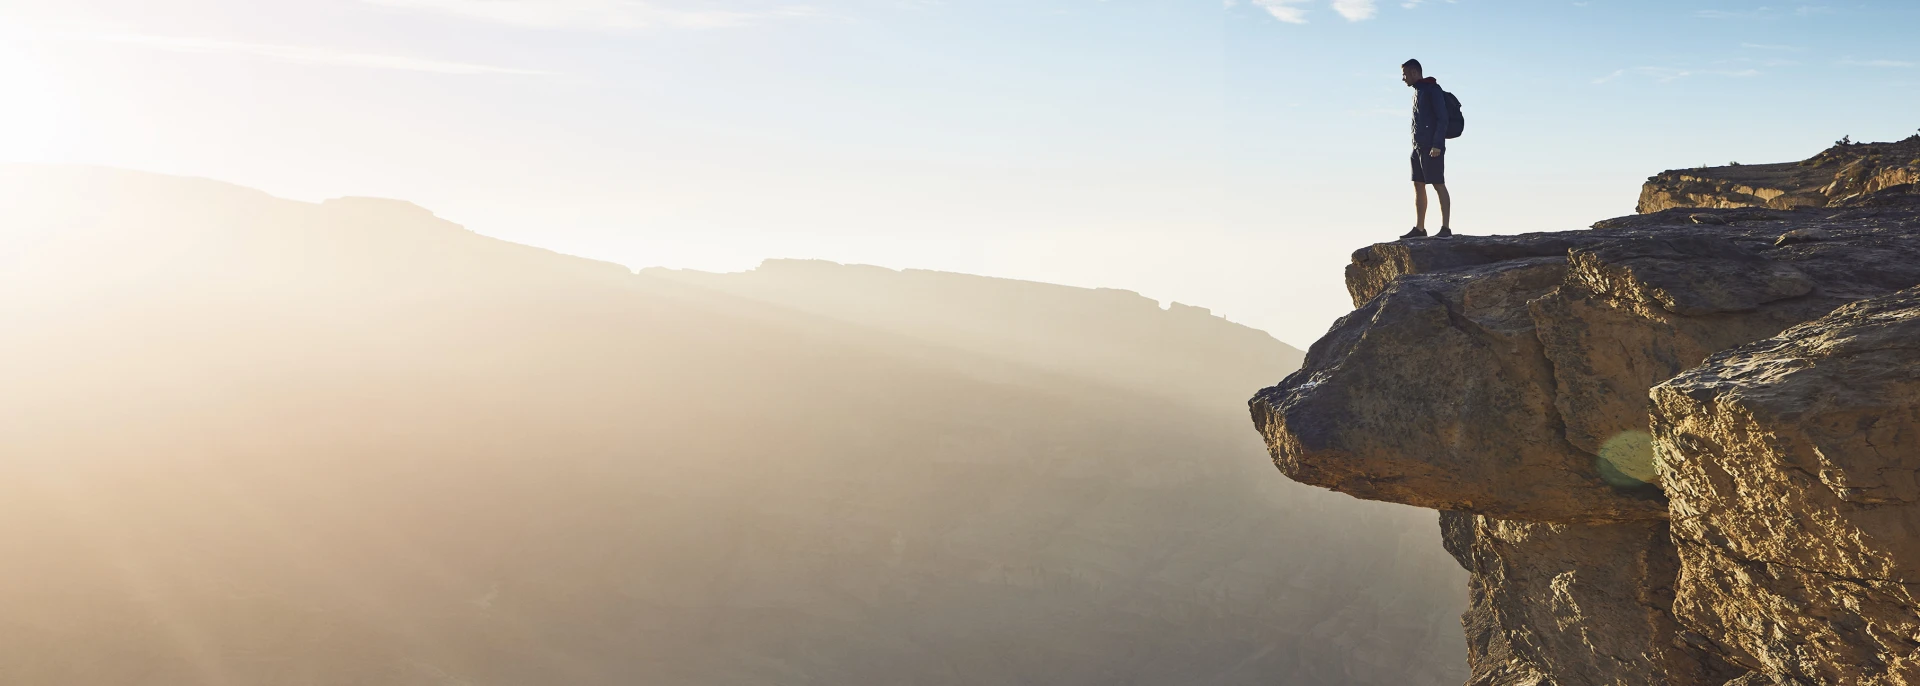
28, 122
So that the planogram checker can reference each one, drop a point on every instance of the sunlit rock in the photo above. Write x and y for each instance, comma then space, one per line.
1794, 468
1506, 380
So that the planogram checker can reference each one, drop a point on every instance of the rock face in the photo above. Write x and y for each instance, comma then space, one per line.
1490, 375
1839, 175
1572, 604
1680, 448
1792, 465
1438, 393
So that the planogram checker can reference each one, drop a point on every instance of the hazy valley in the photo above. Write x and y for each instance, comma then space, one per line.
256, 441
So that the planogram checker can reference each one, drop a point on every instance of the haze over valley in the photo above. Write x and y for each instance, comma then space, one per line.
257, 441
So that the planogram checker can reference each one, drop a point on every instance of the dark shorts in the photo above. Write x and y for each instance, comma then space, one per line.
1429, 169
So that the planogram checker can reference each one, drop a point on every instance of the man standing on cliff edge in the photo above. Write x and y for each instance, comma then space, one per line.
1429, 149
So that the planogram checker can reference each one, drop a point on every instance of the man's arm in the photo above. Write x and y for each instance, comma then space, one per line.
1440, 117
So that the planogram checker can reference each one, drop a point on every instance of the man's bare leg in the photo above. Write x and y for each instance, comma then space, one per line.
1446, 205
1420, 205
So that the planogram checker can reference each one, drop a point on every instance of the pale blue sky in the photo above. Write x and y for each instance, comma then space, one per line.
1225, 156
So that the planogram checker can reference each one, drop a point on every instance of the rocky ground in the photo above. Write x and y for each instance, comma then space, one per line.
1678, 448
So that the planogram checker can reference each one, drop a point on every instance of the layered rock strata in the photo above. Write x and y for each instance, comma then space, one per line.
1844, 173
1731, 531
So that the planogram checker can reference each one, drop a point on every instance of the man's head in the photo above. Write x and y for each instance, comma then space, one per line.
1410, 72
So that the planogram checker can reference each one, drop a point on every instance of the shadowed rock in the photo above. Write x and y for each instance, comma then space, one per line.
1687, 274
1573, 605
1376, 266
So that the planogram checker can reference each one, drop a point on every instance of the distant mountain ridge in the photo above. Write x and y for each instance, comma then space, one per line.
254, 441
1109, 334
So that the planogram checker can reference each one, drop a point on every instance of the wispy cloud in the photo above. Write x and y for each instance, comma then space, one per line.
302, 54
1666, 74
1899, 64
1763, 12
1295, 11
1769, 62
606, 15
1764, 46
1355, 10
1755, 13
1289, 11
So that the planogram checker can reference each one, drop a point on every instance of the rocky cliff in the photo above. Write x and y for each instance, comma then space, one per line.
1679, 448
1838, 175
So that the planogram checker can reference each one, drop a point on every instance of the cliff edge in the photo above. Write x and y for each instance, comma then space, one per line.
1680, 448
1847, 172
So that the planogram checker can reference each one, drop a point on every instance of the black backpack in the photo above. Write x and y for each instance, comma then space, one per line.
1455, 122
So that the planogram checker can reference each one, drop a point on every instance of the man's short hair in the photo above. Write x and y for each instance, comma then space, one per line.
1412, 64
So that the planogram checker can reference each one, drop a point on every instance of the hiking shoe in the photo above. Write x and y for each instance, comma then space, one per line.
1444, 233
1417, 232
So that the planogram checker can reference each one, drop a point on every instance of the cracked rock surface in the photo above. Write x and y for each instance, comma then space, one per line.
1794, 468
1574, 605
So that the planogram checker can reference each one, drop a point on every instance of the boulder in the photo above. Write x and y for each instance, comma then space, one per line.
1436, 393
1793, 465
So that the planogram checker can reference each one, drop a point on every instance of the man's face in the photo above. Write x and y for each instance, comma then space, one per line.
1409, 76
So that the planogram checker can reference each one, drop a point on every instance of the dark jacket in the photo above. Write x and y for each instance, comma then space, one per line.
1429, 115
